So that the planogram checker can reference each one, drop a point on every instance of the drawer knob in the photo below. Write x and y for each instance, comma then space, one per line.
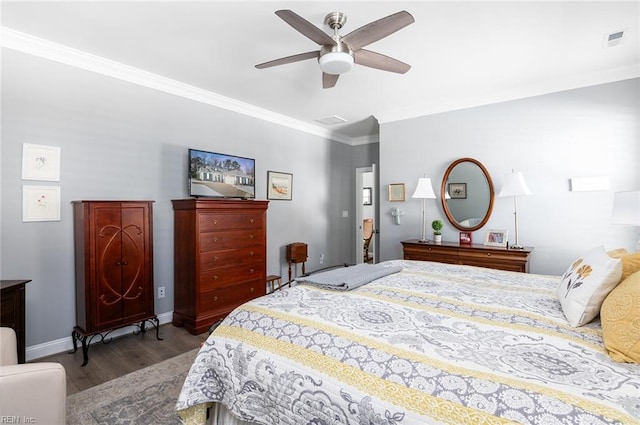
215, 239
488, 254
215, 221
251, 270
252, 236
251, 289
251, 221
215, 258
215, 277
251, 254
215, 298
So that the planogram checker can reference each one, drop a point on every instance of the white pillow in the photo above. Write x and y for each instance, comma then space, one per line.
586, 284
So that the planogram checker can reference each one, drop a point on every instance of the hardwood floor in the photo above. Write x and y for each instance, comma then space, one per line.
124, 355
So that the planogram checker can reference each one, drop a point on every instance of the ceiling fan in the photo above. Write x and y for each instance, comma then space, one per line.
338, 53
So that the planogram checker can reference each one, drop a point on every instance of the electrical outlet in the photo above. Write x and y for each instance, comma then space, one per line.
161, 292
321, 258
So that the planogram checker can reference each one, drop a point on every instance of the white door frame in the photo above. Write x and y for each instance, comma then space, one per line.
359, 252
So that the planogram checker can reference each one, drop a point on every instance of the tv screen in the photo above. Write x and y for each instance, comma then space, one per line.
220, 175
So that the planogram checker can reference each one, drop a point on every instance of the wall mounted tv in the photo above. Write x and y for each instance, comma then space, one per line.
218, 175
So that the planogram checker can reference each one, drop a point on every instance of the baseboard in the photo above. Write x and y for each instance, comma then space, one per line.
61, 345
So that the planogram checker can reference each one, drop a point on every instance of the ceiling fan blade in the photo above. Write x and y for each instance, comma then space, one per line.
377, 30
305, 27
290, 59
380, 61
329, 80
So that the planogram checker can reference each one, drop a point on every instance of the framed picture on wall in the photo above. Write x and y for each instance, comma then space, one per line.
458, 190
396, 192
40, 162
279, 185
496, 238
40, 203
366, 196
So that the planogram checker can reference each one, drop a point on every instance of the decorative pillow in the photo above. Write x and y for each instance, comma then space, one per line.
630, 261
586, 284
620, 316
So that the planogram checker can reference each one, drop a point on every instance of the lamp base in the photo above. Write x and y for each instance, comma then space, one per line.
424, 241
516, 247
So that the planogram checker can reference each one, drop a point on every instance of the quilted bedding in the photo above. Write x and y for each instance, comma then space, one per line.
432, 344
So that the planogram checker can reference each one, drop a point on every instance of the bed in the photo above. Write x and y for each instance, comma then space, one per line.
431, 344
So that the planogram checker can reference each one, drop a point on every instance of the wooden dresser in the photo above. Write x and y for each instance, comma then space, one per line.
492, 257
114, 267
219, 258
12, 313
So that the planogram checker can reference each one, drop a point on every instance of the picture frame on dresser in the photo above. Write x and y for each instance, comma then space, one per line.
466, 238
497, 238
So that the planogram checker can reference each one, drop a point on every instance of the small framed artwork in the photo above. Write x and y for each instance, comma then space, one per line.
465, 238
40, 162
396, 192
366, 196
279, 185
40, 203
458, 190
496, 238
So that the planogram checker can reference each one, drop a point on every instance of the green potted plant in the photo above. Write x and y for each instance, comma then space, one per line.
437, 226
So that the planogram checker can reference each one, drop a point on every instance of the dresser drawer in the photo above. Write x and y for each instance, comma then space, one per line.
209, 222
224, 276
219, 241
430, 253
231, 257
228, 297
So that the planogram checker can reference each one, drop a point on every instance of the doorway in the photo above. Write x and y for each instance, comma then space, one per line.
366, 207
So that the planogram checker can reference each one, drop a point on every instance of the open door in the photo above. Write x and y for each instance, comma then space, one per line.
366, 207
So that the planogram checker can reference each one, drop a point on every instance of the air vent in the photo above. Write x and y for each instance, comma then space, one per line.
613, 38
332, 120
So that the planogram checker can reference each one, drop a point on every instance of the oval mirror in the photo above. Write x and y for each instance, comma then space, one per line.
467, 194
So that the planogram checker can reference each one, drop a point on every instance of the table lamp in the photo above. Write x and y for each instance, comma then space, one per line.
626, 210
514, 185
424, 191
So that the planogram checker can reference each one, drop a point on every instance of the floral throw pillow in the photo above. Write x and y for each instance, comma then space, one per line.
586, 284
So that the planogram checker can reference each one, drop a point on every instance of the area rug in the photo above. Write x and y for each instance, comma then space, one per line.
146, 396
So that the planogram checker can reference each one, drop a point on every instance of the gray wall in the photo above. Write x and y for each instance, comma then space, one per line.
122, 141
587, 132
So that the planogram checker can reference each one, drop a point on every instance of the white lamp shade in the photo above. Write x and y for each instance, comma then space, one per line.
514, 185
424, 189
626, 208
336, 63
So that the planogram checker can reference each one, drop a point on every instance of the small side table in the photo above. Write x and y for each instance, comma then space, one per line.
12, 301
296, 253
272, 279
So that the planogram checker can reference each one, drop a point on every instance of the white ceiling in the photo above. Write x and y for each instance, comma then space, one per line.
462, 53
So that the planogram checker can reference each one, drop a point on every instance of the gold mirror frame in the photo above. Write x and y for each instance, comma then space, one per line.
443, 192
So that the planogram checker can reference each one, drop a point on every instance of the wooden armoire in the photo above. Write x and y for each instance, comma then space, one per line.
219, 258
114, 266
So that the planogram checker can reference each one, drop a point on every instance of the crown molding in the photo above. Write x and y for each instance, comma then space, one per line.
25, 43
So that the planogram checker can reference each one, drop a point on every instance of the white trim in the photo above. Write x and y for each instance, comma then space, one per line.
42, 48
66, 344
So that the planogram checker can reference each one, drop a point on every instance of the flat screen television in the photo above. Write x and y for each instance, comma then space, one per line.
218, 175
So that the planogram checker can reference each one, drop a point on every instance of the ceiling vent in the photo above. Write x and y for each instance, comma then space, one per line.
613, 38
332, 120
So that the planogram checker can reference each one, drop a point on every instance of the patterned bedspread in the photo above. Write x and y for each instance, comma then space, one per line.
432, 344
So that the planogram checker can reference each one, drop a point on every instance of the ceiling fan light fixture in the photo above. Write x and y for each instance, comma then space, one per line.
336, 63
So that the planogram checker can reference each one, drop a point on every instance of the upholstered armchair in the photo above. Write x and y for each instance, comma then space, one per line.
32, 392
